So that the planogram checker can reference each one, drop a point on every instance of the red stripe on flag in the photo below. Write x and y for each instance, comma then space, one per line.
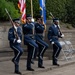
22, 7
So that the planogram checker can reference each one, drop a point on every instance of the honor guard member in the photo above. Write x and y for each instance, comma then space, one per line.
53, 36
29, 41
15, 37
39, 29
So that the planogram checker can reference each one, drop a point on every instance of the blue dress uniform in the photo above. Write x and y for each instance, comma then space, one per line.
53, 36
15, 46
29, 41
39, 29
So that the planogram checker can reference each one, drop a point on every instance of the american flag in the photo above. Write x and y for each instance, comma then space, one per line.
22, 7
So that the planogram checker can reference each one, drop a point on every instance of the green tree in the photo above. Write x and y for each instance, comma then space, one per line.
70, 6
14, 1
36, 7
10, 7
63, 9
57, 7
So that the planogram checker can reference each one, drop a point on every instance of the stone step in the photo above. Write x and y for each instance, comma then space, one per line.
22, 57
9, 54
5, 52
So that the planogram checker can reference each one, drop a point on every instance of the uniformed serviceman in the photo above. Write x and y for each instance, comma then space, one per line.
54, 34
15, 37
28, 31
39, 29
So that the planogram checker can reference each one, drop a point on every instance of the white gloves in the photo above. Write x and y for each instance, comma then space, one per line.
32, 20
62, 35
18, 41
52, 43
14, 40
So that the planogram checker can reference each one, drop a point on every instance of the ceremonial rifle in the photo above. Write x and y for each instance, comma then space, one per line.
13, 24
57, 26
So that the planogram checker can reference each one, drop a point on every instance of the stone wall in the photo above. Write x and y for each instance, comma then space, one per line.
4, 37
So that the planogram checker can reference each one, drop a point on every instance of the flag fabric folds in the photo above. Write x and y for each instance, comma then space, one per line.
22, 7
43, 10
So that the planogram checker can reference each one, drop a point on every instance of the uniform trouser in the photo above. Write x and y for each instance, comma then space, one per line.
32, 46
17, 53
42, 48
56, 51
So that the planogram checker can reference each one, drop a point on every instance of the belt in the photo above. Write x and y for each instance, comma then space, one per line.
39, 34
55, 36
29, 34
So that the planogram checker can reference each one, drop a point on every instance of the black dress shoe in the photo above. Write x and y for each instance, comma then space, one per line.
17, 72
56, 64
41, 66
30, 69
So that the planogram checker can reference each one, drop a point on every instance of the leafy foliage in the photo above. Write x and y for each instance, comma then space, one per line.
11, 9
63, 9
57, 7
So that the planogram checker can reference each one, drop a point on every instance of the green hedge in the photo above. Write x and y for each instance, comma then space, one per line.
63, 9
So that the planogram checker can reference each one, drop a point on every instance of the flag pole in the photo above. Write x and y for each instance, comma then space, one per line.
31, 9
